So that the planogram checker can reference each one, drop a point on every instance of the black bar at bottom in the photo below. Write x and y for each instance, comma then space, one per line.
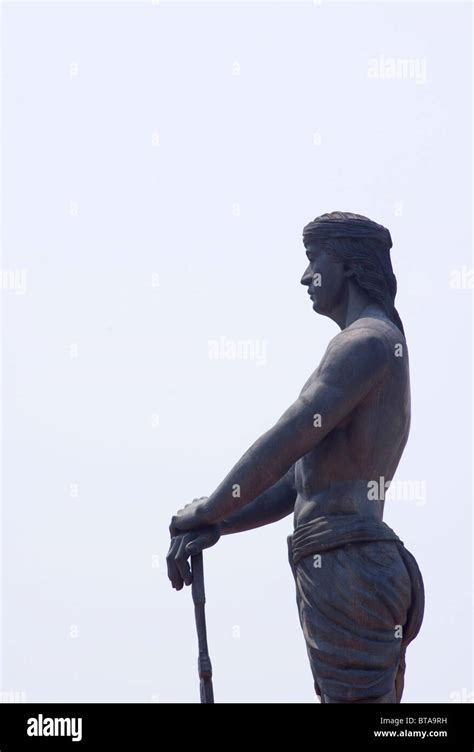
78, 726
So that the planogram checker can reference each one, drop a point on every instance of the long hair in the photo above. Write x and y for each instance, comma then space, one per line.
363, 247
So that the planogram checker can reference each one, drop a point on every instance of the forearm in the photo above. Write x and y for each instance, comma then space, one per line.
261, 467
270, 506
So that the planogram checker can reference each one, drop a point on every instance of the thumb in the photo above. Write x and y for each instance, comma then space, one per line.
198, 544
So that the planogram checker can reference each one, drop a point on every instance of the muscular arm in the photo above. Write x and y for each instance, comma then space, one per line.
353, 365
272, 505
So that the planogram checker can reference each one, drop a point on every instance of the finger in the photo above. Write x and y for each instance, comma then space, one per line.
183, 520
181, 560
197, 545
173, 571
172, 528
202, 541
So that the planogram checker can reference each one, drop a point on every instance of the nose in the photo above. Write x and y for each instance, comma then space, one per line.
307, 276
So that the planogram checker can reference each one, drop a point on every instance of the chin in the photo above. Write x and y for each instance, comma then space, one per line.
320, 310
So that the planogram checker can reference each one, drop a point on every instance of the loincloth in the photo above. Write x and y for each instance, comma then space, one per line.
360, 600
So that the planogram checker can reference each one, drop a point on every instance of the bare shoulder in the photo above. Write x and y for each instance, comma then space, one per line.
365, 345
366, 335
385, 332
361, 352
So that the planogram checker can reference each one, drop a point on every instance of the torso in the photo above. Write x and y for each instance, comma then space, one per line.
366, 446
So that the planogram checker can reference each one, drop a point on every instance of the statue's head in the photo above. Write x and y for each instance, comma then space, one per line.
346, 249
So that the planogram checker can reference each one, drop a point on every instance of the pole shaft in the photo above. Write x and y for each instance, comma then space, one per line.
199, 599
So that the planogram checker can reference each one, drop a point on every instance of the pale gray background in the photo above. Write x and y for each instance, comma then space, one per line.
81, 558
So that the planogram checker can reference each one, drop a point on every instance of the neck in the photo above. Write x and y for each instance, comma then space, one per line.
355, 305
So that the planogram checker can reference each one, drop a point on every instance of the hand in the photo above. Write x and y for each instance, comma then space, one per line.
188, 544
192, 516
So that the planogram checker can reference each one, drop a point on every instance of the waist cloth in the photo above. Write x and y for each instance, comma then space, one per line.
360, 600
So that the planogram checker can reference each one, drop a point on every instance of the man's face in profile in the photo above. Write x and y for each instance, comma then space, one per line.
325, 279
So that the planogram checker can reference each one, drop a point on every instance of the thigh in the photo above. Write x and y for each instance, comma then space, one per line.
353, 607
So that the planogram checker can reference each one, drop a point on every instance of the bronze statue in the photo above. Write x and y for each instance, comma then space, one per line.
359, 591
